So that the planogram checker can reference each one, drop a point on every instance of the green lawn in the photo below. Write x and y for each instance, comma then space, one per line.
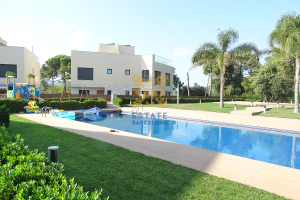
212, 107
123, 174
281, 112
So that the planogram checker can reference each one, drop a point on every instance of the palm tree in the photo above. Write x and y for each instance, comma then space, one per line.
211, 54
287, 36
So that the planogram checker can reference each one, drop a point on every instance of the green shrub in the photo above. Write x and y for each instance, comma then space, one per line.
74, 105
4, 116
26, 174
118, 101
14, 105
174, 100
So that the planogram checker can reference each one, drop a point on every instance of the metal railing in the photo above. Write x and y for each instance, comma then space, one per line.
45, 108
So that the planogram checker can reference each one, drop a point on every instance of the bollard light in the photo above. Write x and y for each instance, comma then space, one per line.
53, 153
232, 100
130, 101
251, 103
200, 100
166, 102
277, 104
291, 101
234, 107
265, 109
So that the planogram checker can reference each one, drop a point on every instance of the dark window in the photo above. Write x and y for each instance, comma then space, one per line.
157, 93
145, 74
85, 73
157, 74
4, 68
84, 91
127, 92
127, 72
168, 93
168, 79
109, 71
108, 92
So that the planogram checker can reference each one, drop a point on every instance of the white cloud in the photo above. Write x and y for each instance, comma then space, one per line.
58, 25
183, 52
76, 39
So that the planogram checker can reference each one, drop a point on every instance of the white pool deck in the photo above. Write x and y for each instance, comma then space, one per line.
276, 179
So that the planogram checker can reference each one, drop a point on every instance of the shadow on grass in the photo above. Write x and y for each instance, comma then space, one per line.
124, 174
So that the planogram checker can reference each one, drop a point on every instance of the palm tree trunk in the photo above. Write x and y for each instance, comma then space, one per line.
188, 83
206, 86
222, 88
296, 110
210, 82
53, 85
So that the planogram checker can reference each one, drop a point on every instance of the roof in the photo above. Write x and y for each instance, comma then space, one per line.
8, 73
30, 76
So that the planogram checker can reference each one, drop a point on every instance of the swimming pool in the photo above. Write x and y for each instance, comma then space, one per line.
277, 149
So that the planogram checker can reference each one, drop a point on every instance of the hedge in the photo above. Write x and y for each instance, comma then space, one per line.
126, 100
15, 106
73, 104
4, 116
26, 174
118, 101
73, 98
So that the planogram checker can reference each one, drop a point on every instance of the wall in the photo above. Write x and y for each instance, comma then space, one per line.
128, 50
164, 69
107, 48
14, 56
29, 65
100, 62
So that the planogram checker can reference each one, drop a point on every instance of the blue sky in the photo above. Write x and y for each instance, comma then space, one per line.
170, 29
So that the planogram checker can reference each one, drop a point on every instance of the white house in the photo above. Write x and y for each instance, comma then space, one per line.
111, 71
19, 60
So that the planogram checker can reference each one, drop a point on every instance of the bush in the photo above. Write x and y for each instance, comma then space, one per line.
74, 105
26, 174
14, 105
126, 100
118, 101
4, 116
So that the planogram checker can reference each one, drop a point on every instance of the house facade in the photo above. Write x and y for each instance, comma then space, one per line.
19, 60
115, 69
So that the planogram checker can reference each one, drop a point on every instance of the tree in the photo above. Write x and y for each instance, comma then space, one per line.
286, 36
60, 64
270, 83
210, 54
176, 81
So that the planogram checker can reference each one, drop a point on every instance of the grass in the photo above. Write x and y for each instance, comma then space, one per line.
282, 112
212, 107
123, 174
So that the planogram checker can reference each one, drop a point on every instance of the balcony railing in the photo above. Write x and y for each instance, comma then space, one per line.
164, 61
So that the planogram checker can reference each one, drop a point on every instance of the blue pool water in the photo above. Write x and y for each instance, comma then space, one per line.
267, 147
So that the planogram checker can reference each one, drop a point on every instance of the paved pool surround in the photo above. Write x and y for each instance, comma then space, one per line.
276, 179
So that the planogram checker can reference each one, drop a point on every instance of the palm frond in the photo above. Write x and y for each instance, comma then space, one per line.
226, 38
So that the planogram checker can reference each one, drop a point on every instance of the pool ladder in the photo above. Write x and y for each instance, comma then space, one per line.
45, 108
137, 109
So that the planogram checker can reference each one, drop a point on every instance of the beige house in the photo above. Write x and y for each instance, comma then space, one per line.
20, 61
111, 71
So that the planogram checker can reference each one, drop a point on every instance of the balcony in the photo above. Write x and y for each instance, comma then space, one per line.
164, 61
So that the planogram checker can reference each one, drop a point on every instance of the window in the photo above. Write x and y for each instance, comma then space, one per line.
168, 79
108, 92
168, 93
84, 91
157, 74
146, 93
85, 73
127, 72
109, 71
4, 68
127, 92
157, 93
145, 74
